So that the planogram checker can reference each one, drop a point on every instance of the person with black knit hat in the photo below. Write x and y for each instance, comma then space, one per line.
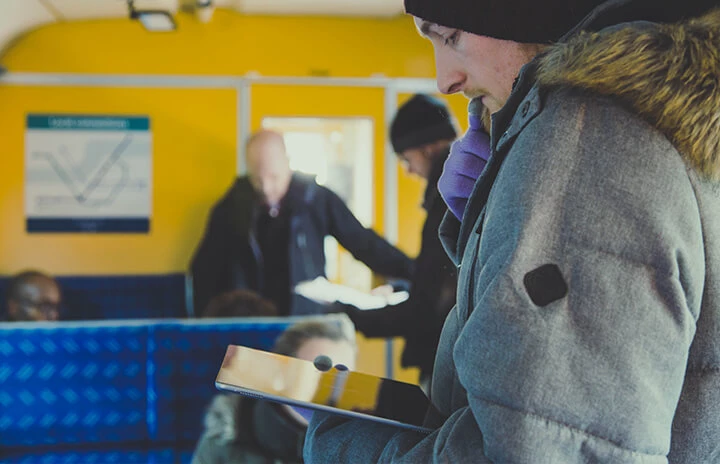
587, 323
421, 133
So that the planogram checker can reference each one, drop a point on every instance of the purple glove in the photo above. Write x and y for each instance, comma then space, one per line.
467, 159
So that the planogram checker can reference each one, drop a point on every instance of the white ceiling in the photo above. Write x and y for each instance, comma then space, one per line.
20, 16
372, 8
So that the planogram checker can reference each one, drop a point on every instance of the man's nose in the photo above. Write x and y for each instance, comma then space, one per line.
450, 79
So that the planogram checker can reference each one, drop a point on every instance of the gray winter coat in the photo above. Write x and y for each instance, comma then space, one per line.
587, 325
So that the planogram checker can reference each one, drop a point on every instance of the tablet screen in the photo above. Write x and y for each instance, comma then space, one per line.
297, 382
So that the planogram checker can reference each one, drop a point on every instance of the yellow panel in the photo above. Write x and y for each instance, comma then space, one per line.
231, 44
194, 146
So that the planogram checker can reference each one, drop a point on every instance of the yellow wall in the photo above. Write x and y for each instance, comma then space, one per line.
231, 44
193, 163
194, 131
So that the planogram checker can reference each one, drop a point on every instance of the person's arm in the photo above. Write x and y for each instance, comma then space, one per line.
364, 244
432, 290
589, 374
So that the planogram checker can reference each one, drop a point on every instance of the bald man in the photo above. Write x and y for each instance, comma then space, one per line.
267, 234
33, 296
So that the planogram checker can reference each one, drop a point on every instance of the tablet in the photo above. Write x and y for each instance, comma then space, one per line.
299, 383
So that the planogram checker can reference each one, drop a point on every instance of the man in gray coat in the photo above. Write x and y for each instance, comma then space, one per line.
587, 324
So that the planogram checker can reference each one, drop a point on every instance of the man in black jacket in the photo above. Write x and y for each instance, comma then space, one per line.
421, 134
267, 234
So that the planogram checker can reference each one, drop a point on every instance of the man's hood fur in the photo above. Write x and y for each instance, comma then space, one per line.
669, 74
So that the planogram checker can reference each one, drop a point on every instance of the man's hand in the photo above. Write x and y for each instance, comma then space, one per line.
467, 159
383, 290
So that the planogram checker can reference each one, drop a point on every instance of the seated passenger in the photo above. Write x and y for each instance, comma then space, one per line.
245, 430
239, 303
33, 296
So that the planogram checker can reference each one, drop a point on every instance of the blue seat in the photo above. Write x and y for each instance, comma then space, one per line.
114, 391
106, 456
187, 355
72, 384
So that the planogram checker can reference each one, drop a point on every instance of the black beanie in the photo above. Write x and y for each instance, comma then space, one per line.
421, 120
525, 21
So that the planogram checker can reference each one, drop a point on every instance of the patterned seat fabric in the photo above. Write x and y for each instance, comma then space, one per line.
132, 391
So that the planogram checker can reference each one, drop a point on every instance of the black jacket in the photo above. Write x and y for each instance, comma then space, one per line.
420, 318
229, 256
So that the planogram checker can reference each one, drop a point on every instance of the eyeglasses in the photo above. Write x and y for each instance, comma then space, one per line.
47, 308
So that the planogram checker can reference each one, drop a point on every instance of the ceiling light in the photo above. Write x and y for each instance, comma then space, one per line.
204, 10
153, 20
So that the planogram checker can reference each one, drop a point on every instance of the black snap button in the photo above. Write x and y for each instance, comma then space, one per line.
524, 109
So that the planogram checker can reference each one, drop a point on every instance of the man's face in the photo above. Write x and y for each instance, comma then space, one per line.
477, 66
268, 169
39, 301
416, 161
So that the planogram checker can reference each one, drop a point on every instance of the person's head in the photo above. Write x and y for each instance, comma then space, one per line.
33, 296
239, 303
420, 131
481, 46
309, 339
268, 166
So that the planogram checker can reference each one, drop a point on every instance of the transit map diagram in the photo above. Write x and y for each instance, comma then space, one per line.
81, 171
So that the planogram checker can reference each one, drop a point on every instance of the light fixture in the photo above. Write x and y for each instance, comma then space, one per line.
152, 20
204, 10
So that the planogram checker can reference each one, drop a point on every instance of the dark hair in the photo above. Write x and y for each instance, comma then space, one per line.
239, 303
290, 341
18, 281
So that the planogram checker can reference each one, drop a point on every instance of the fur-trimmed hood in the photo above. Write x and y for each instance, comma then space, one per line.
669, 74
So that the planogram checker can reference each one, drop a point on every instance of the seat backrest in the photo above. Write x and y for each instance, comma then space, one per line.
187, 358
135, 386
70, 383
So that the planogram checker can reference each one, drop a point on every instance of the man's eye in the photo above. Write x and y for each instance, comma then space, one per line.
452, 38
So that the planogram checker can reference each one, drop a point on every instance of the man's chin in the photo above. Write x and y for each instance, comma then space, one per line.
470, 94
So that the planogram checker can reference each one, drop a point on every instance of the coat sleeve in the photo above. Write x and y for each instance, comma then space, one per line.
390, 321
584, 291
432, 290
364, 244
